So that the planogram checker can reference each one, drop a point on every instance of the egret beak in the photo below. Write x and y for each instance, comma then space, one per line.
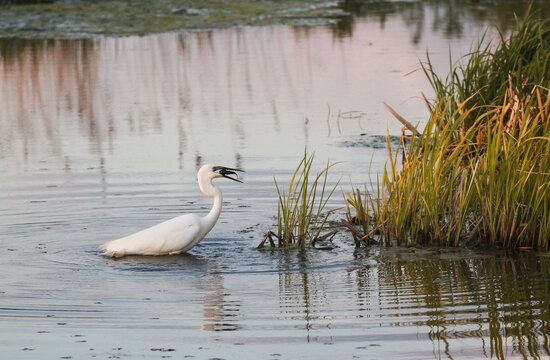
225, 172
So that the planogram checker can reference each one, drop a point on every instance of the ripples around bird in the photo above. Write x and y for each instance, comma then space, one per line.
432, 303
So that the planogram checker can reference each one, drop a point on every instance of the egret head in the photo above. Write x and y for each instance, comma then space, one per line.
214, 172
222, 171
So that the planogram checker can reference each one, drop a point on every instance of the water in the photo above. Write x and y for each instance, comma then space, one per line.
102, 137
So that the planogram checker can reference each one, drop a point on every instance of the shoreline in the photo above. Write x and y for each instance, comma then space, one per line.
146, 17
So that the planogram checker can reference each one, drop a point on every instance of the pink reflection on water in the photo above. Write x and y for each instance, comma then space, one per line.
231, 91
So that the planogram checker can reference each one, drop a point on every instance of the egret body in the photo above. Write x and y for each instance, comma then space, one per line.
181, 233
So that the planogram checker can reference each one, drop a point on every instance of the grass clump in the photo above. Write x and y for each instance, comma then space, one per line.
479, 173
301, 215
358, 220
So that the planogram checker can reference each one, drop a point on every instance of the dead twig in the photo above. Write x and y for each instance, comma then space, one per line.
402, 120
268, 236
328, 235
321, 227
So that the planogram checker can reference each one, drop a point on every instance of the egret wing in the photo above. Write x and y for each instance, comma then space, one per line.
171, 236
179, 233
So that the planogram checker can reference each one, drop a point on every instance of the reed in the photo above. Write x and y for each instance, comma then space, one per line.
358, 220
479, 173
301, 214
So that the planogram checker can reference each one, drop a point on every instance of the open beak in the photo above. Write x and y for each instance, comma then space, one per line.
226, 172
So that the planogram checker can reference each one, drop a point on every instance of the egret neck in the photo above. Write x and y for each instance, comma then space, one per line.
209, 189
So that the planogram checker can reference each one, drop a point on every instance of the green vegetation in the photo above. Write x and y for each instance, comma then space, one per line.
358, 220
301, 214
85, 18
479, 173
21, 2
47, 19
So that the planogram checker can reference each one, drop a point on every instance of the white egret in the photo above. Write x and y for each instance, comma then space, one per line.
181, 233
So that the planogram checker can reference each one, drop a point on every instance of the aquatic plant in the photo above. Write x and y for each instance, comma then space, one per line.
487, 73
301, 214
358, 220
479, 171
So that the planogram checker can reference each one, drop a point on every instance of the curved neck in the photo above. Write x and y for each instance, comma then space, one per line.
208, 222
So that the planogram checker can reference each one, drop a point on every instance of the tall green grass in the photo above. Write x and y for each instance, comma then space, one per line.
484, 77
301, 210
479, 172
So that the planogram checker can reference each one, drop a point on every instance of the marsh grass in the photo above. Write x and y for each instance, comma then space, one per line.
301, 214
479, 173
488, 71
358, 220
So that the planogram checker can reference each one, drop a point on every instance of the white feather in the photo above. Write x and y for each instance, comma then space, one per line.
170, 237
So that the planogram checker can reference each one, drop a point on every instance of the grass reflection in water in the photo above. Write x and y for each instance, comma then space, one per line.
501, 300
465, 303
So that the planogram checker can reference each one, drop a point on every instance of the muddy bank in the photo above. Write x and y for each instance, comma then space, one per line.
77, 19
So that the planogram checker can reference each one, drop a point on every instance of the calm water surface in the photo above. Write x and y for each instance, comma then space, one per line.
102, 137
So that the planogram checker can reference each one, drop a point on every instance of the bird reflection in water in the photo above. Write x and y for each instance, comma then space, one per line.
218, 310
